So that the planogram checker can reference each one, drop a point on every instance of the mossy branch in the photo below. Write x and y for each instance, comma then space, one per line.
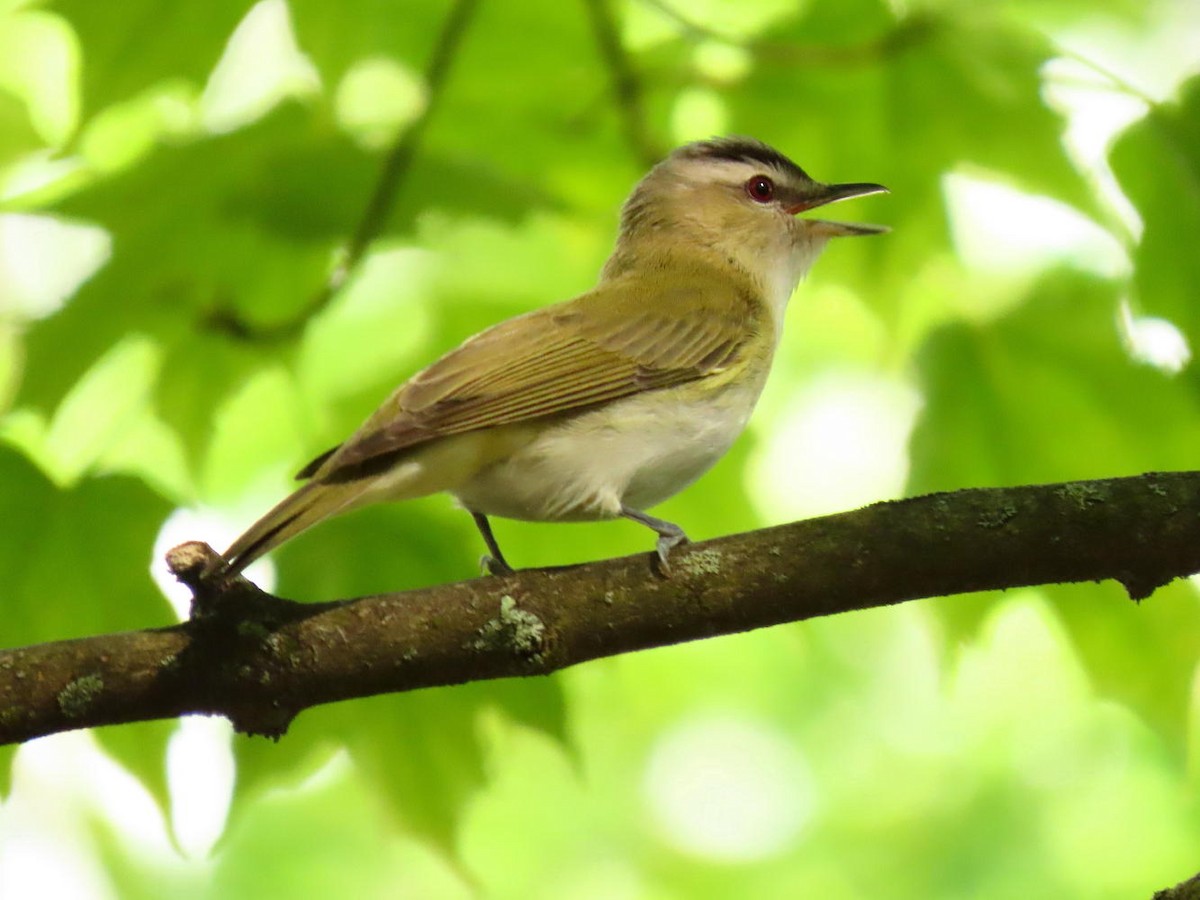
260, 660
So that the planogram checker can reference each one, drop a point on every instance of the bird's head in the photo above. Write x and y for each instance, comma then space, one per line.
741, 199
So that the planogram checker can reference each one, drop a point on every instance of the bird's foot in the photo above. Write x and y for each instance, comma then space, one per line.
666, 543
490, 565
670, 536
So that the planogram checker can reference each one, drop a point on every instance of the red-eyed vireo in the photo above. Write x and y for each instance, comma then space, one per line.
608, 404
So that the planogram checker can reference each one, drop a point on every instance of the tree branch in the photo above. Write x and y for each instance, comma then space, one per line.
1185, 890
260, 660
627, 87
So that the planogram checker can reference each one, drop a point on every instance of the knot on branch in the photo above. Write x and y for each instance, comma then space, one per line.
239, 650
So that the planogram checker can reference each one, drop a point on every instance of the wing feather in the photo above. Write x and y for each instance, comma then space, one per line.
561, 360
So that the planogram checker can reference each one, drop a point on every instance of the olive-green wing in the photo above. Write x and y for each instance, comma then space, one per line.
600, 347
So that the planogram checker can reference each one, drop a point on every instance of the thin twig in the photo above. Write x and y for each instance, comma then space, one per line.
907, 32
627, 87
396, 166
1114, 81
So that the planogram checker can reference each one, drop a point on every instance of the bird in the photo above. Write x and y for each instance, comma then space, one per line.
602, 406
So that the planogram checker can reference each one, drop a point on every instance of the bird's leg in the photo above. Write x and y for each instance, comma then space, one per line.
670, 535
493, 561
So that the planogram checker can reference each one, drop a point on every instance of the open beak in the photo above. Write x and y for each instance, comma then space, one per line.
832, 193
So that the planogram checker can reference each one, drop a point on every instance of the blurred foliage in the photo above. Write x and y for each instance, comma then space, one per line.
178, 182
1158, 164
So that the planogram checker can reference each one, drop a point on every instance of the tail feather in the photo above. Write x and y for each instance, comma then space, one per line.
435, 467
295, 513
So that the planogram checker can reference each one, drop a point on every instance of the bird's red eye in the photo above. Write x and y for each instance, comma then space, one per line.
761, 188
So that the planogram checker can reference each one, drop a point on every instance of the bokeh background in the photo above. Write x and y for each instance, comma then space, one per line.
179, 184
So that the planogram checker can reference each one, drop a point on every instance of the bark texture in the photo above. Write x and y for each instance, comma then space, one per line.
260, 659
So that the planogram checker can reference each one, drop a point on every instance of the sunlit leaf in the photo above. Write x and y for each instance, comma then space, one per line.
7, 752
1157, 162
17, 136
964, 747
1048, 394
105, 527
147, 43
423, 751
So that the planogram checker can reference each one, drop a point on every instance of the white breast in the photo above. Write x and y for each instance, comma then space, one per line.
635, 452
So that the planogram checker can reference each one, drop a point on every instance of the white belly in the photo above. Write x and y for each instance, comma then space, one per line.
635, 452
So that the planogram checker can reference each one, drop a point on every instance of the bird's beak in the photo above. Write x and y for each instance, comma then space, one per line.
832, 193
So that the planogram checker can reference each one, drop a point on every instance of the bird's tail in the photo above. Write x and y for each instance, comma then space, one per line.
295, 513
438, 466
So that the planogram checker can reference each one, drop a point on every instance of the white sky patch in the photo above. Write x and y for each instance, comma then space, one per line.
200, 777
199, 525
46, 849
1000, 229
728, 788
1101, 82
1095, 113
1153, 58
1154, 341
843, 443
44, 260
200, 765
261, 66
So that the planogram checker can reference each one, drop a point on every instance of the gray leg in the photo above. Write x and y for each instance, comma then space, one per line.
670, 535
493, 563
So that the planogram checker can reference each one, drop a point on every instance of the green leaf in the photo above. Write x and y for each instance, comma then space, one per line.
216, 243
337, 37
540, 135
129, 48
855, 93
105, 526
80, 565
1157, 162
17, 136
998, 396
102, 406
1111, 634
1048, 394
422, 751
510, 202
39, 62
7, 753
296, 843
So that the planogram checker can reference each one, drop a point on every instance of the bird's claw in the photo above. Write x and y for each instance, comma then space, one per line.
666, 543
490, 565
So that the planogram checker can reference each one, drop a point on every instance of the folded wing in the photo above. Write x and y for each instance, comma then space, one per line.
556, 361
